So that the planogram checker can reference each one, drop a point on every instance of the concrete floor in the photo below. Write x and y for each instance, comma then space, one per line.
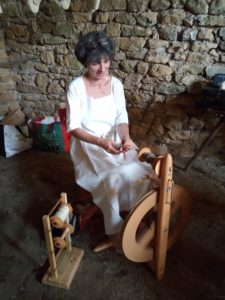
32, 181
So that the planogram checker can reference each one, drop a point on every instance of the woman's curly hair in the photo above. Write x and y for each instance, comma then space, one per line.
93, 46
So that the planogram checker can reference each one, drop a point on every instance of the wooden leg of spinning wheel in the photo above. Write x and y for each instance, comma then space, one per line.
163, 217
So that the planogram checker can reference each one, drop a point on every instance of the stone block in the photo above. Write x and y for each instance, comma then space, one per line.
72, 62
102, 17
113, 29
205, 59
206, 34
3, 55
217, 7
79, 17
140, 54
42, 81
146, 19
152, 43
211, 21
7, 96
198, 7
47, 57
172, 17
55, 88
142, 68
24, 87
137, 5
190, 34
169, 32
108, 5
5, 75
222, 33
170, 88
132, 43
179, 134
9, 85
157, 128
11, 9
157, 56
138, 130
128, 66
160, 5
20, 31
160, 70
203, 46
52, 40
126, 18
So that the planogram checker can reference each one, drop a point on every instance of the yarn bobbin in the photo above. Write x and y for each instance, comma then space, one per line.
59, 242
61, 216
146, 155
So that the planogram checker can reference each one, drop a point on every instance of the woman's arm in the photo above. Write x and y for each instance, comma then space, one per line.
123, 132
84, 136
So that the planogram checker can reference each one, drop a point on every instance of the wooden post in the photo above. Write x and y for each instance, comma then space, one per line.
49, 245
163, 216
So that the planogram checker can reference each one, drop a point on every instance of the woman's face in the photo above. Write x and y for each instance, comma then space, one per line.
100, 69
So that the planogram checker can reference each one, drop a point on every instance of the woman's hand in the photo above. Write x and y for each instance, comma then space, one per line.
123, 131
109, 146
127, 143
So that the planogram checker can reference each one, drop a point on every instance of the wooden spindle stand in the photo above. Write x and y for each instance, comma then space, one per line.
63, 263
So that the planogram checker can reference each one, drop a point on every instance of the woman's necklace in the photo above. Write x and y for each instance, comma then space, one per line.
99, 84
98, 88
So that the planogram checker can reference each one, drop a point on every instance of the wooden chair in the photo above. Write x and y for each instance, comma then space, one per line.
157, 220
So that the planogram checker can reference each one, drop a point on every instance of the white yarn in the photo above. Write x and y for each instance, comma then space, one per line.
62, 213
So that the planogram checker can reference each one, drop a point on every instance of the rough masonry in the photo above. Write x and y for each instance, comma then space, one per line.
166, 51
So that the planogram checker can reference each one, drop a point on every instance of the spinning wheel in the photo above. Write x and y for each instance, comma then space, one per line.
138, 233
158, 219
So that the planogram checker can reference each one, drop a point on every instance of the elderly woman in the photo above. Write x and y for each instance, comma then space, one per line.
104, 156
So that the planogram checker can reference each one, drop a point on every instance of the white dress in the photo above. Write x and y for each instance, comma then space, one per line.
112, 180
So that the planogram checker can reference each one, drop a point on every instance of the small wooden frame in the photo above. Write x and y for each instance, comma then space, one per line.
64, 263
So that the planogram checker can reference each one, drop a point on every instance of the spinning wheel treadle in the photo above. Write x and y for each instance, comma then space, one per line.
138, 233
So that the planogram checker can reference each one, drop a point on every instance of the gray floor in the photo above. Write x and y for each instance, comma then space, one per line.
31, 183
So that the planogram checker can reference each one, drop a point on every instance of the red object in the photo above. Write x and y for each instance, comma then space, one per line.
124, 149
86, 216
62, 115
66, 135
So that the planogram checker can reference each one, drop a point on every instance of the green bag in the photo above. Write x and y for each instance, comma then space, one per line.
50, 137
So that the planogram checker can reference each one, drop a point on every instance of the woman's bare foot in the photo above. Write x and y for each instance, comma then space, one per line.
111, 241
115, 238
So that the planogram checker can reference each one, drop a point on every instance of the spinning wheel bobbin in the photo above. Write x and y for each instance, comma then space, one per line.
146, 155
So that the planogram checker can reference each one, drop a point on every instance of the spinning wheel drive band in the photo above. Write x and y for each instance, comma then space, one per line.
138, 234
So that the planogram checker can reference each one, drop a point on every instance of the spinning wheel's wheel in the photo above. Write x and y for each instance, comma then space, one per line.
138, 233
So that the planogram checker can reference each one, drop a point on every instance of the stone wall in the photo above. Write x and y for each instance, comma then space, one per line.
8, 95
166, 51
